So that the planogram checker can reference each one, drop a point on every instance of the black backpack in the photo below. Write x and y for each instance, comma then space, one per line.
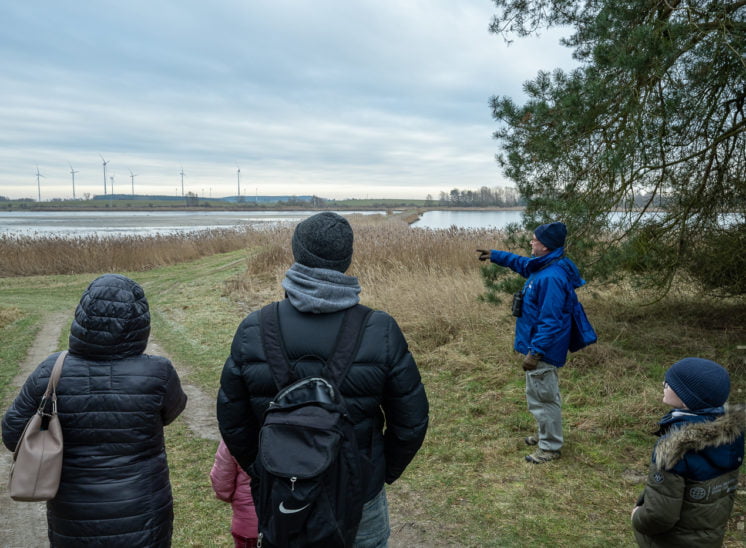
307, 482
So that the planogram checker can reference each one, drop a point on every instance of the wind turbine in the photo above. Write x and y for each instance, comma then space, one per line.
105, 162
38, 184
73, 172
132, 178
111, 178
182, 181
238, 173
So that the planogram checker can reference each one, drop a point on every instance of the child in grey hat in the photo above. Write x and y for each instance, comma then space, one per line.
693, 475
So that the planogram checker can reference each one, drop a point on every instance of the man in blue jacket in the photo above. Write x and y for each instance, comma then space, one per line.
542, 328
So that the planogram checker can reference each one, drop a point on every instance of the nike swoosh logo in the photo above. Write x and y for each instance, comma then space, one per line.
284, 510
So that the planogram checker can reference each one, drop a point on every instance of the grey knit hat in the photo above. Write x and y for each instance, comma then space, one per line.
699, 383
323, 241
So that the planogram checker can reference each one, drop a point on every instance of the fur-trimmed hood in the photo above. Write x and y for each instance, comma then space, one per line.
697, 436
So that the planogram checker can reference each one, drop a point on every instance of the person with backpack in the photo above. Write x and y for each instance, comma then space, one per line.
543, 327
321, 401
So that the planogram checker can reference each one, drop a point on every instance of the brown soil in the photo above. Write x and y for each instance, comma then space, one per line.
25, 522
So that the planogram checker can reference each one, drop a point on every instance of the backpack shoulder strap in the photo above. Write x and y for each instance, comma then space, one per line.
281, 371
348, 342
345, 347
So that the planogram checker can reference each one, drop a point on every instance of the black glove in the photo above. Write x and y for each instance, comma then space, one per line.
531, 361
484, 254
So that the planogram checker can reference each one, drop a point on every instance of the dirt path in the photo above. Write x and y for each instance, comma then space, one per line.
199, 413
24, 525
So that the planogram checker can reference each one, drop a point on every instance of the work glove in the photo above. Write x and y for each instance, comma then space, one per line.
531, 361
484, 254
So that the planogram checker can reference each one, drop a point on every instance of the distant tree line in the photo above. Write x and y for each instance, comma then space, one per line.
497, 196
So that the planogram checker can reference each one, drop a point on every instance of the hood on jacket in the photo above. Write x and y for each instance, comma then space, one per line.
697, 436
573, 274
112, 320
557, 257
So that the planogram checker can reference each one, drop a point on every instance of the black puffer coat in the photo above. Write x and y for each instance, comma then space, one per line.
383, 390
113, 403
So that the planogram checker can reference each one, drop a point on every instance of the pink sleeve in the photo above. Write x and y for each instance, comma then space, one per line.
223, 474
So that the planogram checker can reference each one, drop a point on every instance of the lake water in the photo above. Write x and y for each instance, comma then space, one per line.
142, 223
145, 223
501, 219
468, 219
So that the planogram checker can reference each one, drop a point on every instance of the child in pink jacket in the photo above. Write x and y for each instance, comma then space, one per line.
231, 484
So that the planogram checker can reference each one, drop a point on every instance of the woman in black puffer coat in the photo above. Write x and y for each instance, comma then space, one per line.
113, 402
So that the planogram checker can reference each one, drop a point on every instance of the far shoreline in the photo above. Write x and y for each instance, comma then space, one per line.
48, 207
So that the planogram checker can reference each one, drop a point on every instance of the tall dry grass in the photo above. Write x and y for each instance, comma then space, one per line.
30, 256
8, 315
429, 280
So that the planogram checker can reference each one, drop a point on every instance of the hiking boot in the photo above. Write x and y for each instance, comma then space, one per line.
531, 440
541, 456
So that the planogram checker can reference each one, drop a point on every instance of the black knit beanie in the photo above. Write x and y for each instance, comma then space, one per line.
552, 235
323, 241
699, 383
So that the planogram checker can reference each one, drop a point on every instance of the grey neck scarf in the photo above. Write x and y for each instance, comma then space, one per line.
320, 290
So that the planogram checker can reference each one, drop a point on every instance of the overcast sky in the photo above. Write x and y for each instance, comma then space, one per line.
338, 98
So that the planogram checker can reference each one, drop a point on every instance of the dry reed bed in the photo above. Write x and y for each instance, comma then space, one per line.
30, 256
425, 278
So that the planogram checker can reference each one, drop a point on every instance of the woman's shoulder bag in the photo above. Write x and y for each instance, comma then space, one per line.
37, 460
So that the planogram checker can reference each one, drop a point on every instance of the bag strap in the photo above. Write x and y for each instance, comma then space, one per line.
54, 378
336, 367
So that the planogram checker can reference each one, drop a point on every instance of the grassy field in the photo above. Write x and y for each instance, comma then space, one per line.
469, 485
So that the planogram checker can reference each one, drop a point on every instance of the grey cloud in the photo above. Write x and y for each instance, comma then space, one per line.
332, 94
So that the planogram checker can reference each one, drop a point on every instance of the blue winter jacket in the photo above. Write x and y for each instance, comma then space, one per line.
548, 298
